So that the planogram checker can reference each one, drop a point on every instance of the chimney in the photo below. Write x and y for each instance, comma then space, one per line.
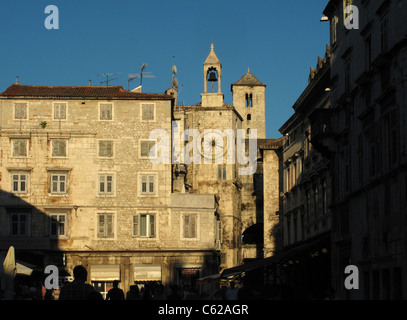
90, 83
17, 80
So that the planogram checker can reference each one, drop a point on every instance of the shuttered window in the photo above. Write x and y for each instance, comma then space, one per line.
190, 226
106, 148
60, 111
105, 225
20, 111
59, 148
144, 225
147, 147
19, 147
106, 111
147, 112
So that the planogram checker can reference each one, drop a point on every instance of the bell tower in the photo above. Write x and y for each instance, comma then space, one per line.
212, 95
249, 100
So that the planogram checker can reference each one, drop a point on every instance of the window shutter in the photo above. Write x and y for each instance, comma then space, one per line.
101, 227
151, 184
145, 148
193, 226
109, 224
136, 225
186, 227
152, 226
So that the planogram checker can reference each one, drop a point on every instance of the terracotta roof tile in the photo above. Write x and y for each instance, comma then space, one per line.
91, 92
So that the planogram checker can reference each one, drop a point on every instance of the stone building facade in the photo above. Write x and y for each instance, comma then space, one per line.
84, 181
368, 127
307, 189
78, 187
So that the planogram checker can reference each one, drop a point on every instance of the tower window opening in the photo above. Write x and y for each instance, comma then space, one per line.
249, 100
249, 117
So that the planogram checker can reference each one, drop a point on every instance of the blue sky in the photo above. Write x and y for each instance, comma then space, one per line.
278, 40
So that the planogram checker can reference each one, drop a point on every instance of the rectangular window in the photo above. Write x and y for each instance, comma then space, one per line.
19, 224
147, 184
59, 183
59, 111
106, 111
19, 182
190, 226
59, 148
20, 111
19, 147
58, 224
147, 147
222, 172
147, 112
144, 225
106, 148
105, 225
105, 184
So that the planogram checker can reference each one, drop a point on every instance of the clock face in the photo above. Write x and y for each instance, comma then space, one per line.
213, 146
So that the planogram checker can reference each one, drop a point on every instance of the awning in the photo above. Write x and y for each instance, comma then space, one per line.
209, 279
147, 272
304, 249
104, 272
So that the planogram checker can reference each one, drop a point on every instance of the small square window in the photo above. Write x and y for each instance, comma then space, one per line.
59, 148
19, 147
147, 148
58, 224
147, 112
19, 225
105, 184
20, 111
59, 183
106, 148
147, 184
19, 182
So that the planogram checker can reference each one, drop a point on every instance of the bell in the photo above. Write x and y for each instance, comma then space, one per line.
212, 77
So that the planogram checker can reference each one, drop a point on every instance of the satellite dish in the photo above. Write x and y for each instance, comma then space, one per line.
175, 83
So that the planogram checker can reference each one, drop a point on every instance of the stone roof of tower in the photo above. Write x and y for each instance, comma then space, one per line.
249, 79
212, 58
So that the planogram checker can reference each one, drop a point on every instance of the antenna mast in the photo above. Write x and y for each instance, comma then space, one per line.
107, 77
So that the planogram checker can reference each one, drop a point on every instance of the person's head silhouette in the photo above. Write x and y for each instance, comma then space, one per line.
80, 273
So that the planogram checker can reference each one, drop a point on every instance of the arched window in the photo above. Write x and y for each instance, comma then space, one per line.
249, 100
249, 117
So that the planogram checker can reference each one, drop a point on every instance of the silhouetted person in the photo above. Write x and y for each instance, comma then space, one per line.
134, 293
95, 295
115, 293
77, 289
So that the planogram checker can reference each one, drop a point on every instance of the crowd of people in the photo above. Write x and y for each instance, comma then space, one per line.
78, 289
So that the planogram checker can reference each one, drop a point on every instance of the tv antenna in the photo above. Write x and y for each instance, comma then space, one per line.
140, 75
107, 75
